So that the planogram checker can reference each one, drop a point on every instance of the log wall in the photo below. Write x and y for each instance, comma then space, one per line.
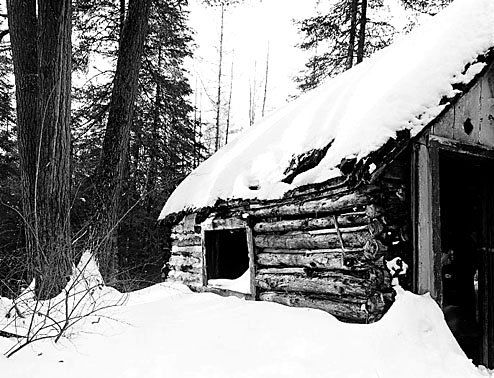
186, 260
330, 253
327, 252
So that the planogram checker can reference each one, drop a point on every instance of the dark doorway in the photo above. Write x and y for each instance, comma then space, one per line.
227, 254
467, 219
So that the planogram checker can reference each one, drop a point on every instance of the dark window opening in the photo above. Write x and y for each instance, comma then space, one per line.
227, 254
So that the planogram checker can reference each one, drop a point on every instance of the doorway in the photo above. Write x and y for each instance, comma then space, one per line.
466, 197
228, 260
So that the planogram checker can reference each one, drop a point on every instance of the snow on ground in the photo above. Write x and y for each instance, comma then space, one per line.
168, 331
241, 284
400, 87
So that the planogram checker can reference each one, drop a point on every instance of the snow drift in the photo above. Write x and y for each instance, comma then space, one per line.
168, 331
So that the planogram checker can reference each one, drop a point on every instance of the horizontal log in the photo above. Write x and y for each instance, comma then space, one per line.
320, 206
192, 240
364, 275
180, 261
308, 241
184, 236
353, 258
300, 271
347, 311
185, 277
228, 223
304, 251
335, 285
324, 231
330, 260
344, 220
190, 250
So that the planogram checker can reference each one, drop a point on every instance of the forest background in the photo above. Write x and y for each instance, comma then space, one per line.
93, 142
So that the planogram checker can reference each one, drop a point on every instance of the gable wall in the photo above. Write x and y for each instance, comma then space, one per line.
477, 106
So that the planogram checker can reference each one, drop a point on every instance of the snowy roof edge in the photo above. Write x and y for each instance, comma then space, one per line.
357, 170
400, 88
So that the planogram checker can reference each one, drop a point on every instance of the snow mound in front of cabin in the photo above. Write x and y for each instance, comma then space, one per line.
169, 331
398, 88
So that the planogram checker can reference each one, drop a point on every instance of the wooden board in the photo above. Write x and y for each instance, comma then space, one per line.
426, 217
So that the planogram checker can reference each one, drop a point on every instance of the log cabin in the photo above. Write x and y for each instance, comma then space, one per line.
388, 165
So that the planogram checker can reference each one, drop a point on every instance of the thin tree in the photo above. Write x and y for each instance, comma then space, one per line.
229, 107
353, 32
361, 35
40, 36
220, 65
252, 97
265, 82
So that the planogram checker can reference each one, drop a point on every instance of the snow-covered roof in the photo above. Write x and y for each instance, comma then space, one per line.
356, 113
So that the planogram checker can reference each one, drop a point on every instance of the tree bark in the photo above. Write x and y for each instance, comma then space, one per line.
229, 105
361, 38
265, 83
109, 174
353, 32
41, 47
218, 98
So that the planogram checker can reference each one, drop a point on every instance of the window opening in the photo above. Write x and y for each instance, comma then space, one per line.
227, 260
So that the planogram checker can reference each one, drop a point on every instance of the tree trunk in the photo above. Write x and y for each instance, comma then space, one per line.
152, 175
42, 60
265, 83
229, 109
361, 38
353, 32
109, 174
218, 98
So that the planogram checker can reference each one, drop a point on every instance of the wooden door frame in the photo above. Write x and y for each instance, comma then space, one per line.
426, 220
230, 224
426, 210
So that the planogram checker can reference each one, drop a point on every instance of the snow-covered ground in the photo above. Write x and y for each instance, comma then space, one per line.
168, 331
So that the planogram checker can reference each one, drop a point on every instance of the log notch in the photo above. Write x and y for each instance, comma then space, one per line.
185, 264
391, 215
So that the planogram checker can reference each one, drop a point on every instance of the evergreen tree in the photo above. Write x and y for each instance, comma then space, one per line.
162, 147
350, 30
342, 36
163, 141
